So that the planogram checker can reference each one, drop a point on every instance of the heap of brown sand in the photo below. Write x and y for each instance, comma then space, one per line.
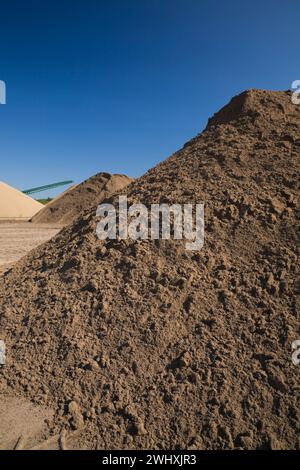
146, 345
76, 200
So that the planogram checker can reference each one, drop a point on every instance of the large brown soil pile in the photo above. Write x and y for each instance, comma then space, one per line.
73, 202
146, 345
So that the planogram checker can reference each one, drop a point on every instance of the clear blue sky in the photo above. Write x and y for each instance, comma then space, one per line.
118, 85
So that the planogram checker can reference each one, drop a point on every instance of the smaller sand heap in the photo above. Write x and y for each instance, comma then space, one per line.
74, 201
15, 205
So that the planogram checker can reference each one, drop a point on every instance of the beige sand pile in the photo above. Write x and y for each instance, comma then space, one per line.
146, 345
72, 203
16, 205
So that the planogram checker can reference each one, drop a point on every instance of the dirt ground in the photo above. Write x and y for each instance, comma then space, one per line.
18, 238
22, 424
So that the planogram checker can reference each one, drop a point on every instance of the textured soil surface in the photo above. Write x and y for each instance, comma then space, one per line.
73, 202
18, 238
23, 425
146, 345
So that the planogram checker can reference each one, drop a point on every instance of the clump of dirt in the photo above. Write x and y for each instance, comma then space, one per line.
72, 203
146, 345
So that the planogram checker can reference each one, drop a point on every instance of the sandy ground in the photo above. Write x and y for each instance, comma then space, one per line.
22, 425
18, 238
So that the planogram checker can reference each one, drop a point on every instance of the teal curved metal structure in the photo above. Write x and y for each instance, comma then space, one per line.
39, 189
